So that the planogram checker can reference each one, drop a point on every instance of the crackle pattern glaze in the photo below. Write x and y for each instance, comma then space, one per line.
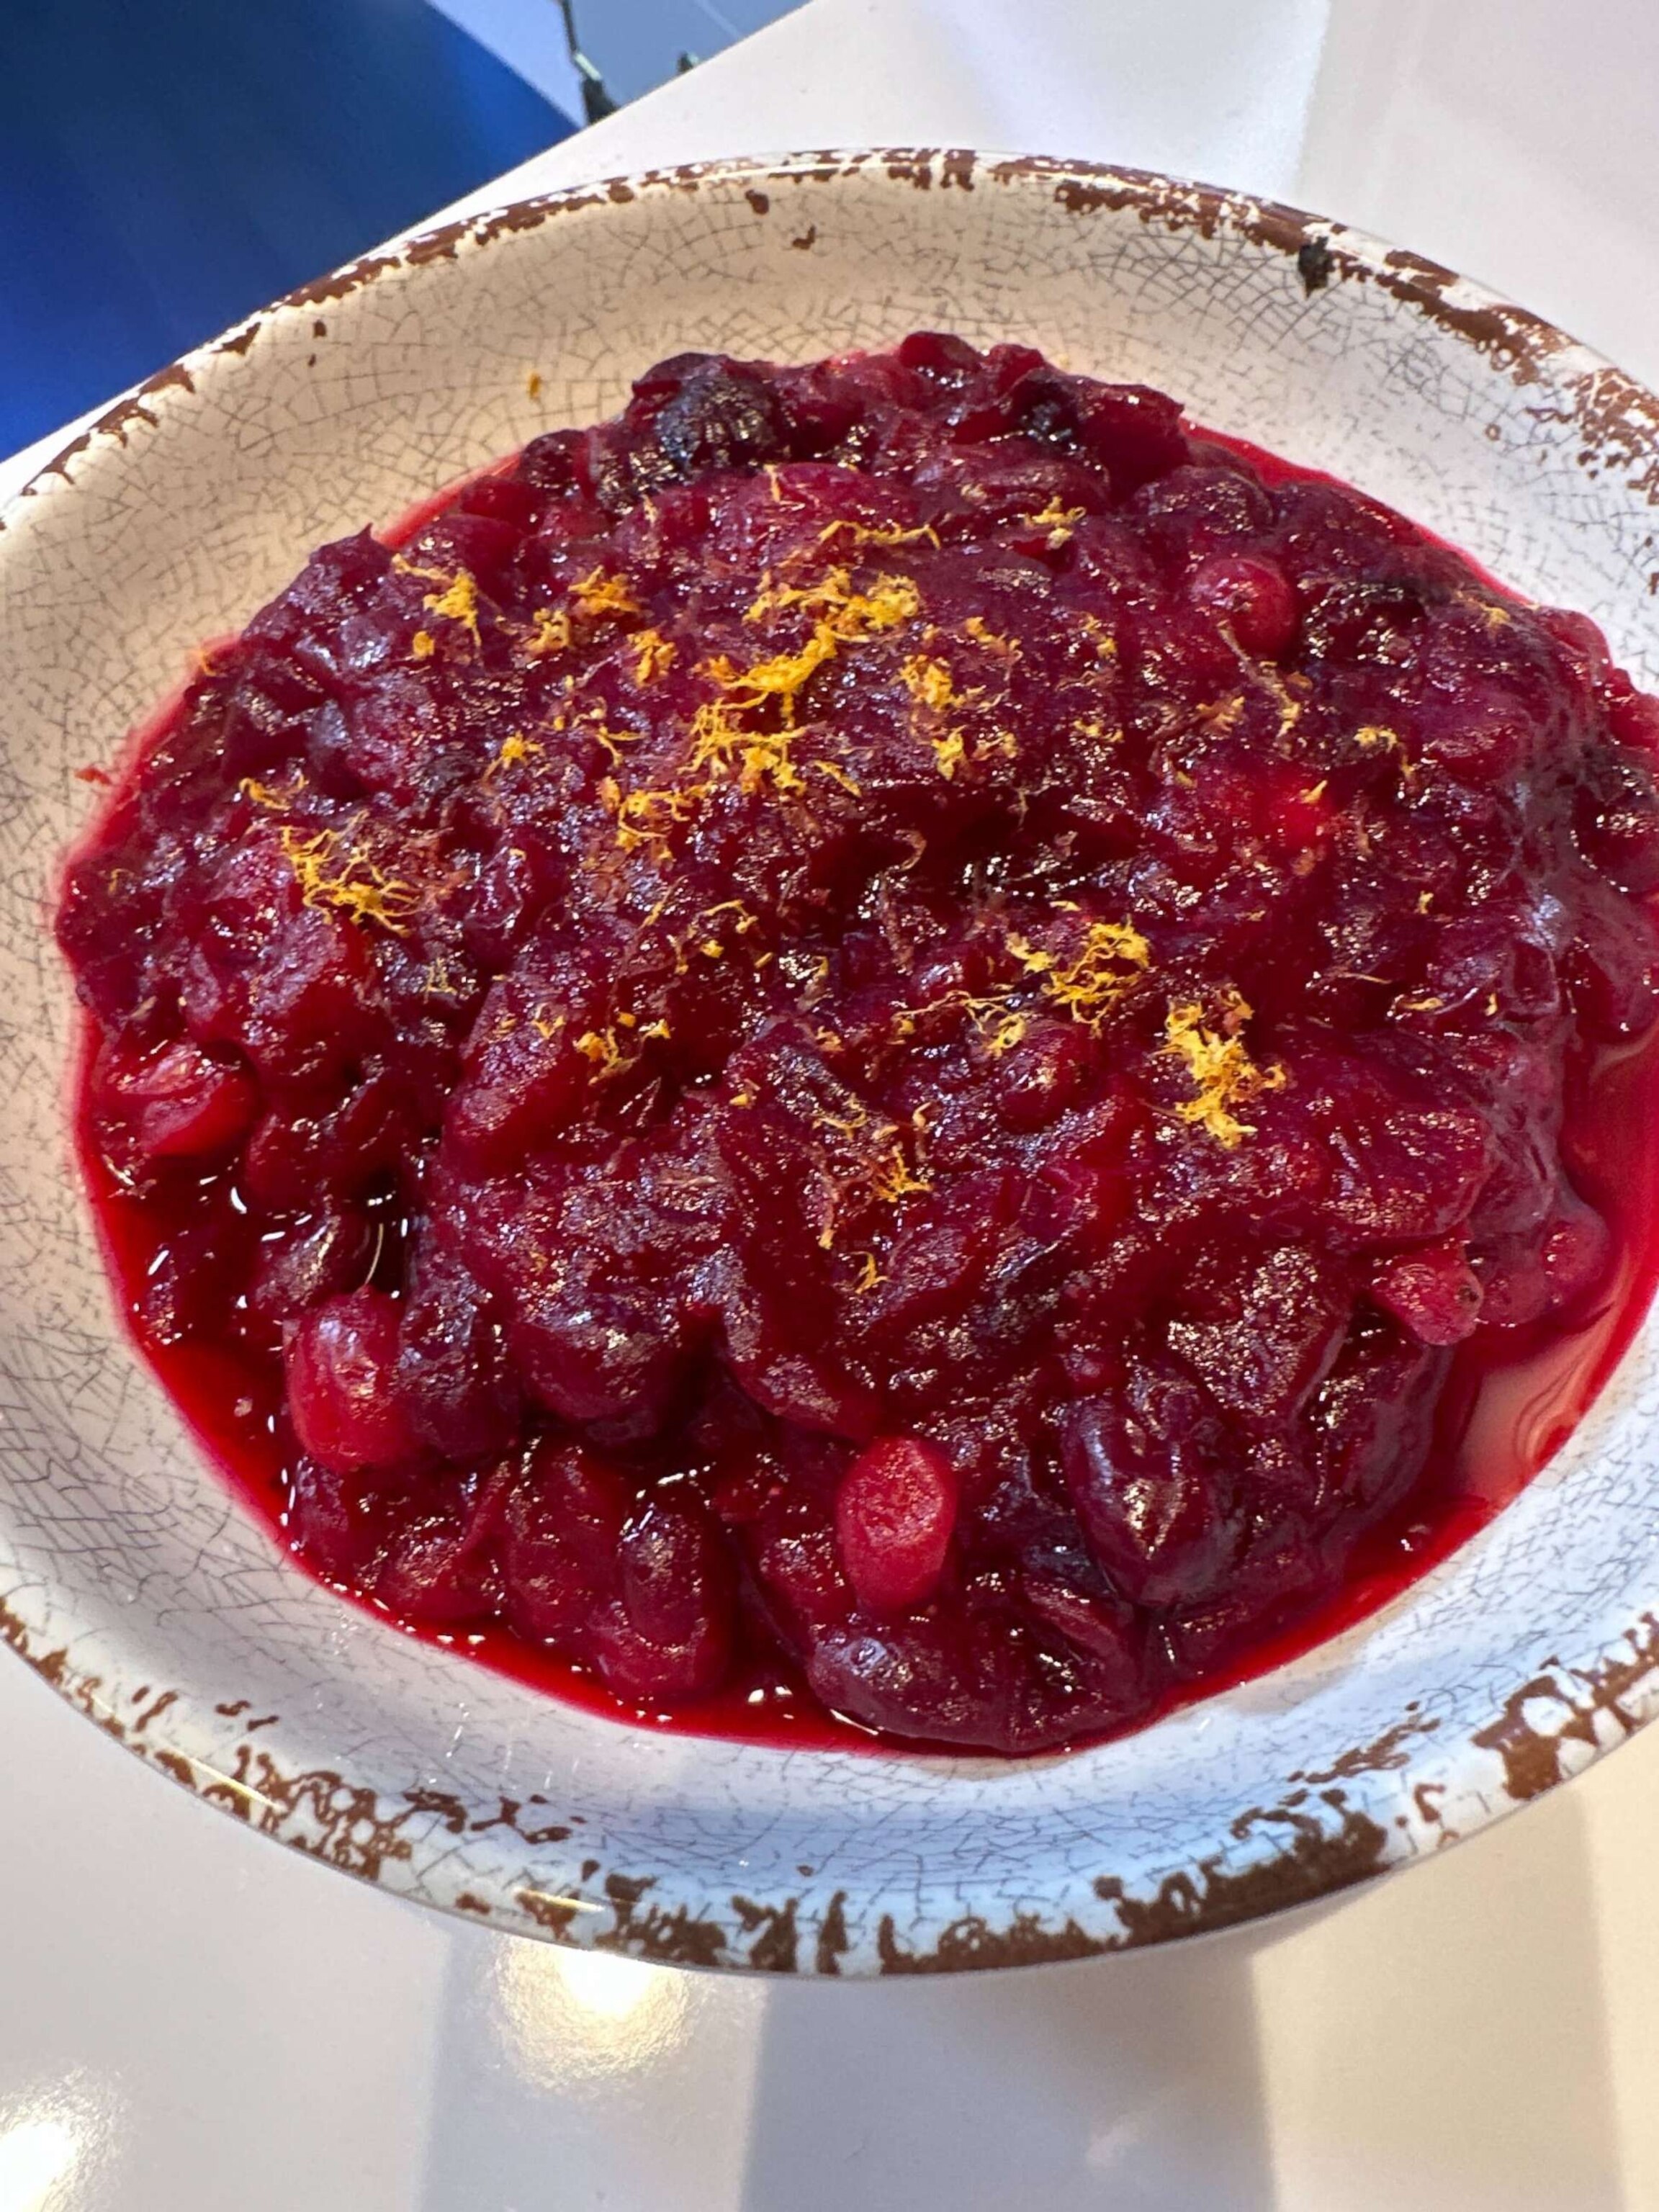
128, 1575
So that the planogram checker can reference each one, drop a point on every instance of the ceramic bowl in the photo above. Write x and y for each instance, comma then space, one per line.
130, 1578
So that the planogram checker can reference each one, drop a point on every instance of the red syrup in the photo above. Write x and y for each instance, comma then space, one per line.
1509, 1397
1506, 1412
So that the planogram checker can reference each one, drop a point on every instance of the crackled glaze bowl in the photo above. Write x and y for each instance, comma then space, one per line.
129, 1576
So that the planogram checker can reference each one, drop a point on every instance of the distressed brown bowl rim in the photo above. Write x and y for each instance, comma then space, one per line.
1328, 1842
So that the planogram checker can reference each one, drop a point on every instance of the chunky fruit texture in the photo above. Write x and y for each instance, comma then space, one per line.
885, 1017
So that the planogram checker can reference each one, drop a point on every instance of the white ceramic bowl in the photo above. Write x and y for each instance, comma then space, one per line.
127, 1576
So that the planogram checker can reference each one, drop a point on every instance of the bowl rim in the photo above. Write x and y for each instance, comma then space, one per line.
1618, 418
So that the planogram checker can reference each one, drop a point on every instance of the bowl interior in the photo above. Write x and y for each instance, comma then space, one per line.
126, 1571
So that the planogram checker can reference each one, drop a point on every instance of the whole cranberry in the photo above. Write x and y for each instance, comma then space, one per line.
342, 1366
895, 1512
1577, 1248
667, 1635
181, 1102
1433, 1291
1141, 1473
563, 1523
1253, 596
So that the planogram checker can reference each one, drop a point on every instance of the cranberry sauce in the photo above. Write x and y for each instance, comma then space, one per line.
891, 1040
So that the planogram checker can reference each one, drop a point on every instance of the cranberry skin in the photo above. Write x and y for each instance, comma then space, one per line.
292, 1162
1140, 1475
895, 1513
341, 1364
1482, 735
1279, 1574
595, 1358
564, 1521
314, 1010
1612, 967
1576, 1254
251, 728
518, 1085
1261, 1336
667, 1638
1092, 1623
706, 413
513, 886
792, 1543
1618, 818
324, 1521
1583, 645
505, 498
1404, 1175
1135, 430
1633, 717
1293, 815
181, 1104
315, 1258
939, 354
461, 1394
439, 1569
550, 463
1083, 1190
991, 1672
1041, 1076
1253, 596
1434, 1293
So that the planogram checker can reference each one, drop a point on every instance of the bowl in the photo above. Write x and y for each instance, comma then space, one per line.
130, 1578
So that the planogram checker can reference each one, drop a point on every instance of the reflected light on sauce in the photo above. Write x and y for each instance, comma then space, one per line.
574, 2017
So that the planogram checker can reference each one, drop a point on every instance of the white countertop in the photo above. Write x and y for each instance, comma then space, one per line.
191, 2020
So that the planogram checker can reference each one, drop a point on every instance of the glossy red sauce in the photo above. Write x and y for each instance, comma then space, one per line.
1507, 1410
1510, 1394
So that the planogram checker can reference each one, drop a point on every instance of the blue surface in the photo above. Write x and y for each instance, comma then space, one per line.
166, 167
